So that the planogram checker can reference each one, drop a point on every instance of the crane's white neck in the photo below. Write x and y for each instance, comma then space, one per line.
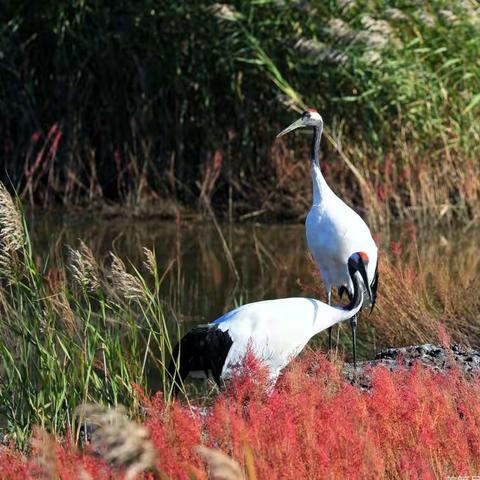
320, 187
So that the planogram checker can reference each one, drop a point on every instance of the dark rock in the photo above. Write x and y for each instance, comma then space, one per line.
439, 358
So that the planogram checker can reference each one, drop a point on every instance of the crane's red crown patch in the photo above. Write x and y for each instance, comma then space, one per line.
364, 256
312, 110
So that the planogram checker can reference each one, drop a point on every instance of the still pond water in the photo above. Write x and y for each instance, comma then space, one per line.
272, 261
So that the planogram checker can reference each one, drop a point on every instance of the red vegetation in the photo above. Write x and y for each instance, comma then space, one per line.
417, 424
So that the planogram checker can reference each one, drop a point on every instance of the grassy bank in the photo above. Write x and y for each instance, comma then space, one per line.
166, 103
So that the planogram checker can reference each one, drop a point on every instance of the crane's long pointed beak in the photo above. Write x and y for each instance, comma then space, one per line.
297, 124
363, 273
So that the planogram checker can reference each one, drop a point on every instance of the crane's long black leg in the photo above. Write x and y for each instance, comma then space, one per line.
330, 329
216, 374
353, 324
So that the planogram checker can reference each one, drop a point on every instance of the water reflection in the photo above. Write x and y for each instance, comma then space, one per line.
199, 284
271, 259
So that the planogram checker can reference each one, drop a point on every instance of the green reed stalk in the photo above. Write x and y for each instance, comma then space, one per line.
64, 345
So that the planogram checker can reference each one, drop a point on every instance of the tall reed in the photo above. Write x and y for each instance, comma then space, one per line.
66, 342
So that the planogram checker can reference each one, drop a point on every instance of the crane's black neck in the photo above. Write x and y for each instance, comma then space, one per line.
357, 298
320, 187
317, 136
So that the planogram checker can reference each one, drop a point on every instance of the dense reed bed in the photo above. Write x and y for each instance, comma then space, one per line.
144, 104
411, 424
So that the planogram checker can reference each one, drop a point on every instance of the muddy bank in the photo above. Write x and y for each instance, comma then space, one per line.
432, 356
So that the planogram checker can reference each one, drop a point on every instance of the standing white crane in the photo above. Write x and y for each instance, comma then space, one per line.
334, 230
275, 331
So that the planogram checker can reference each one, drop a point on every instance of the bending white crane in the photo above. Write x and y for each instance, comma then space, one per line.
275, 331
334, 230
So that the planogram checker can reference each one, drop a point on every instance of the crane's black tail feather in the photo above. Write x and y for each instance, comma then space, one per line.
202, 349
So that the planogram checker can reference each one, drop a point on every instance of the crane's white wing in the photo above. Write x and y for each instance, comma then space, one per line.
275, 330
335, 233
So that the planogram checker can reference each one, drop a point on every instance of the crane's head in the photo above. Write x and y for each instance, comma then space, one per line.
309, 118
358, 262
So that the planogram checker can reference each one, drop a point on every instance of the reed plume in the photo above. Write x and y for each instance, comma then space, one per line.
119, 441
150, 260
43, 448
84, 267
221, 466
224, 11
124, 283
12, 234
62, 306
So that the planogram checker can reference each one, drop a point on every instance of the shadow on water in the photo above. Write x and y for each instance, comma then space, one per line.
272, 260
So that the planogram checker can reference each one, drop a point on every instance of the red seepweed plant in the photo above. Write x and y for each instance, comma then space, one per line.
415, 423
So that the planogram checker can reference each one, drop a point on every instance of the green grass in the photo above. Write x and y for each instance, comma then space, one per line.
64, 342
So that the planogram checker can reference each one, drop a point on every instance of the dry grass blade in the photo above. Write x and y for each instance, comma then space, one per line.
250, 463
125, 284
84, 267
221, 466
118, 440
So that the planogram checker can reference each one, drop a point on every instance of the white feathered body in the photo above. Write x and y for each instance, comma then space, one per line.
275, 331
334, 232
